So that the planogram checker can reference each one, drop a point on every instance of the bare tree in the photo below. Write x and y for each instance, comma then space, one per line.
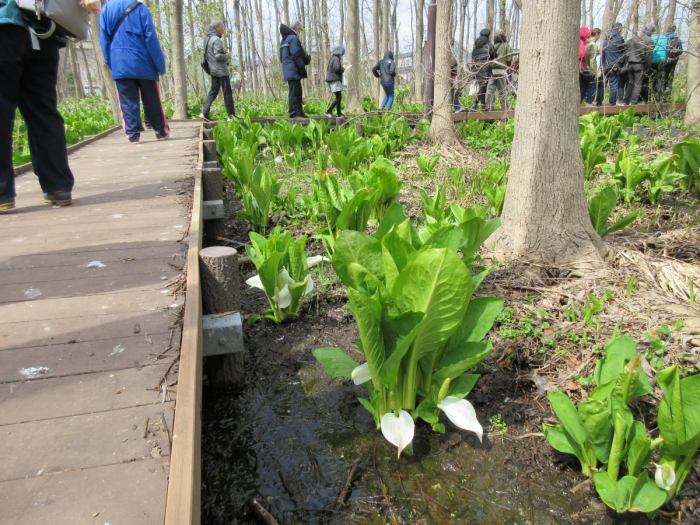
442, 129
262, 57
671, 15
285, 5
239, 47
692, 112
545, 217
75, 71
177, 40
490, 6
385, 26
87, 68
419, 50
354, 101
105, 73
462, 22
504, 19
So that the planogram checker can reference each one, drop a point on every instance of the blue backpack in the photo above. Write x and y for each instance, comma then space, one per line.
660, 50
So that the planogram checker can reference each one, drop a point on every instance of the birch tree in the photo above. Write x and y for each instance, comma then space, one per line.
177, 40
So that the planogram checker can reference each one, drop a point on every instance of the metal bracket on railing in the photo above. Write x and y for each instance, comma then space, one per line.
222, 334
213, 210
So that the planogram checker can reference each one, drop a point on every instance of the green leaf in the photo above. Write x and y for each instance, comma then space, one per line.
460, 386
368, 406
269, 273
399, 333
638, 455
477, 321
561, 441
476, 231
645, 495
336, 362
595, 416
624, 222
356, 247
367, 313
393, 216
600, 208
567, 414
449, 237
671, 418
426, 411
614, 494
618, 352
459, 359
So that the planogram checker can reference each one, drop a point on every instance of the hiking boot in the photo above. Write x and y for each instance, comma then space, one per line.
7, 205
341, 114
134, 140
159, 136
59, 198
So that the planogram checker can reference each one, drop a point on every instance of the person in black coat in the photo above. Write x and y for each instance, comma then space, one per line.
385, 71
294, 61
482, 54
334, 79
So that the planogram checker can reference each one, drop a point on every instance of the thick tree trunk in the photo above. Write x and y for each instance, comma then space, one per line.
354, 101
105, 73
262, 55
490, 5
545, 217
385, 27
342, 22
692, 113
647, 13
239, 47
75, 71
419, 51
324, 30
285, 6
177, 41
671, 15
442, 129
634, 13
87, 68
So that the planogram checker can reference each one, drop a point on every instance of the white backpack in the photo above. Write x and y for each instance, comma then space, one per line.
67, 17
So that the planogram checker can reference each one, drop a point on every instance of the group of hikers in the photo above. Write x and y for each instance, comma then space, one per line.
640, 69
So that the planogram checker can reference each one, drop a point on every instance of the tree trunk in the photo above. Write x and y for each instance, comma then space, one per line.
490, 4
647, 13
75, 71
196, 69
239, 47
342, 22
177, 44
442, 129
87, 68
253, 53
262, 54
105, 73
692, 112
504, 19
354, 101
671, 16
545, 217
419, 50
608, 18
285, 5
385, 27
634, 12
462, 23
324, 30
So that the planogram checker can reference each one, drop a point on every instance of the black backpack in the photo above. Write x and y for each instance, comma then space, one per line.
205, 64
674, 49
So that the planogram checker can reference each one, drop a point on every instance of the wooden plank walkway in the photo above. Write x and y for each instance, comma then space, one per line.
83, 314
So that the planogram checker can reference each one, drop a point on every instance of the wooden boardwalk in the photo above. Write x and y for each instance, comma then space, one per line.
84, 313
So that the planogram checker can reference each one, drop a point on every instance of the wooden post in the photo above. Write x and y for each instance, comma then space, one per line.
207, 134
221, 294
360, 129
209, 150
212, 186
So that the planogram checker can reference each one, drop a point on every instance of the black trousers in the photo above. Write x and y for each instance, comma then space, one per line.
666, 81
295, 98
635, 74
336, 102
223, 83
28, 82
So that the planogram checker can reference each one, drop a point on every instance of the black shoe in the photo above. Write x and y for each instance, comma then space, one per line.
341, 115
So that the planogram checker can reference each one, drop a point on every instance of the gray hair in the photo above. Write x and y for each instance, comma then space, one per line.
650, 28
216, 22
296, 25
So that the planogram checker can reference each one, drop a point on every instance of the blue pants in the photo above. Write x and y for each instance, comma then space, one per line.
612, 79
389, 99
129, 100
29, 83
596, 91
584, 81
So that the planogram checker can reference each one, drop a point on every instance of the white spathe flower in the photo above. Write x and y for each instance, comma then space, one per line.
361, 374
398, 430
665, 476
313, 261
462, 414
255, 282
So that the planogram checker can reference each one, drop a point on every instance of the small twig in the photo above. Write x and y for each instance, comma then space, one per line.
260, 513
581, 486
167, 372
348, 482
145, 428
167, 432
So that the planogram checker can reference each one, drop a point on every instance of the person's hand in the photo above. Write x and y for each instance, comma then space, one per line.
92, 6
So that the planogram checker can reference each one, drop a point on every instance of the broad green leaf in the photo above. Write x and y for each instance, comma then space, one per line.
269, 273
671, 414
638, 455
336, 362
615, 495
561, 441
460, 359
399, 333
476, 231
449, 237
367, 313
478, 278
426, 411
600, 208
567, 414
400, 250
618, 352
645, 495
356, 247
595, 416
477, 321
393, 216
461, 385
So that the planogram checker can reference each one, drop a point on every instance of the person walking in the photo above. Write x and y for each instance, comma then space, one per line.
612, 60
596, 87
294, 61
584, 75
218, 70
132, 51
385, 71
675, 50
482, 54
658, 62
498, 83
639, 50
28, 76
334, 79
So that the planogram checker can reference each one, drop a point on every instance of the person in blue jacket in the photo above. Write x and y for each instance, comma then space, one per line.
294, 61
674, 52
613, 59
132, 51
28, 76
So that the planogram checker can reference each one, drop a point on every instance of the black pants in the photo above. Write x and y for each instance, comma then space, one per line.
585, 79
635, 74
667, 74
223, 83
621, 85
651, 90
336, 102
28, 81
295, 96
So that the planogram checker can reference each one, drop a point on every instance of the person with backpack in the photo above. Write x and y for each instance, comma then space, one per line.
498, 83
675, 50
132, 51
385, 71
294, 61
658, 61
584, 74
639, 51
334, 79
482, 54
28, 77
612, 60
214, 64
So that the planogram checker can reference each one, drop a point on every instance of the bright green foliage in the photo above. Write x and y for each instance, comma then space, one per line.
434, 207
381, 172
427, 164
679, 423
660, 180
411, 302
635, 494
238, 167
592, 146
282, 273
347, 150
629, 173
688, 162
601, 206
263, 189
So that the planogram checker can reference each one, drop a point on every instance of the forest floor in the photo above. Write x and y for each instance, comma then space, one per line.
290, 437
